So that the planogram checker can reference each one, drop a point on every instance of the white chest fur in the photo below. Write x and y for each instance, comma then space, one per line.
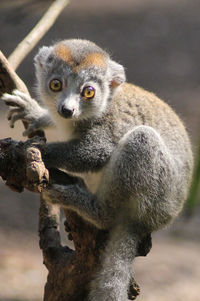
91, 179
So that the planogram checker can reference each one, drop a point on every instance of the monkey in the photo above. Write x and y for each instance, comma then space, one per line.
132, 143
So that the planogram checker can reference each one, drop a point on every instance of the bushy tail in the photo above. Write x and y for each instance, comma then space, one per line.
112, 281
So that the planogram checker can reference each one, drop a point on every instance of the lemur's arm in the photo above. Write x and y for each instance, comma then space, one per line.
89, 153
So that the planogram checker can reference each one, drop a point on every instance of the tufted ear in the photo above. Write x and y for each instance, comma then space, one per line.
116, 74
40, 59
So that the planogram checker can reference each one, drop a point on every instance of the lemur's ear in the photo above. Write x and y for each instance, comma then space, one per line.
116, 74
40, 59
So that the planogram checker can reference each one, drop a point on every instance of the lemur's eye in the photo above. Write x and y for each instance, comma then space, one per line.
55, 85
88, 92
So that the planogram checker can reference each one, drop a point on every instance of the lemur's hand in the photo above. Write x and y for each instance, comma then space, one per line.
23, 107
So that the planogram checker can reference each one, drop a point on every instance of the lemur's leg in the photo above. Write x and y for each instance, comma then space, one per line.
141, 178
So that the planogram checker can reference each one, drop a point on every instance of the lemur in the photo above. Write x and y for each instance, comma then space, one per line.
133, 143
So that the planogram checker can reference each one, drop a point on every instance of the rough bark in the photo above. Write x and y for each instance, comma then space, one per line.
21, 166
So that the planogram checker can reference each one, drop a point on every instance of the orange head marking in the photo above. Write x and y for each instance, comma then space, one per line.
64, 53
93, 59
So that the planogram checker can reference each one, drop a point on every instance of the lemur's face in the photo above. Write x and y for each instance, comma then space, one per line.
76, 78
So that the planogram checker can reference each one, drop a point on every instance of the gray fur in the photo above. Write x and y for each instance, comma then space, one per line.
132, 140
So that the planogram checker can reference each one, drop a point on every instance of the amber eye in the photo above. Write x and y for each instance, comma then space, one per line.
55, 85
88, 92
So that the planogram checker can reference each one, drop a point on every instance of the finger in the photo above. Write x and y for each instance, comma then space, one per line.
16, 117
13, 100
13, 111
22, 95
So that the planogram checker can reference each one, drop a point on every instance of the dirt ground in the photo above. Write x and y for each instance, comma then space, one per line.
158, 42
170, 272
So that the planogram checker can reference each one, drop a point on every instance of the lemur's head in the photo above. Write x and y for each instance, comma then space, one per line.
76, 78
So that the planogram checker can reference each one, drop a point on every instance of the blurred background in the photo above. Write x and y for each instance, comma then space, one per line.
158, 41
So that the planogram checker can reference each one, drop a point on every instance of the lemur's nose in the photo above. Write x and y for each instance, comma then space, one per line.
66, 113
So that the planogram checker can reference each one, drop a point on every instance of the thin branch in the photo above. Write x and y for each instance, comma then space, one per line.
37, 33
9, 80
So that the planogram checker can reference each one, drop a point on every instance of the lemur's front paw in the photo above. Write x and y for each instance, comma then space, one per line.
23, 107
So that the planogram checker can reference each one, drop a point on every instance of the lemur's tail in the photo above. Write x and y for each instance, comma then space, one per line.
111, 282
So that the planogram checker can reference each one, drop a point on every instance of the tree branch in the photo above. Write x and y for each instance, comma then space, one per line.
9, 80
